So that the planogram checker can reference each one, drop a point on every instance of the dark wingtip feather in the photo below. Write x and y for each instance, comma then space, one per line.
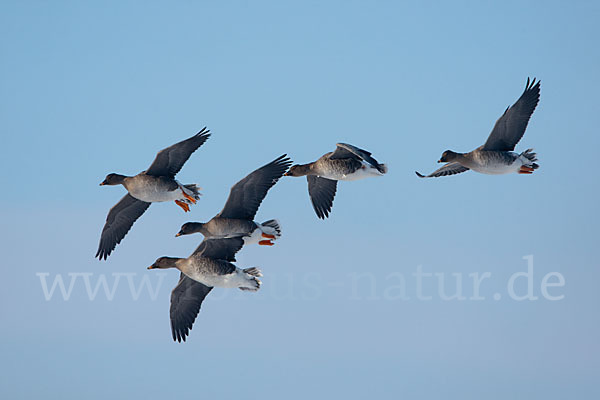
204, 131
533, 85
323, 212
419, 175
102, 254
283, 160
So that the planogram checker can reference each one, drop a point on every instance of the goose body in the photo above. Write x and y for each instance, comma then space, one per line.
346, 163
227, 227
495, 162
251, 232
155, 189
348, 169
217, 273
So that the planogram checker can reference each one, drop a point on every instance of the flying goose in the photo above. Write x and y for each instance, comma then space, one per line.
237, 217
156, 184
209, 266
496, 156
346, 163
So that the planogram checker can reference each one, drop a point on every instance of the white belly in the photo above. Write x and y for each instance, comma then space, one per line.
496, 166
499, 169
156, 196
254, 237
153, 194
234, 280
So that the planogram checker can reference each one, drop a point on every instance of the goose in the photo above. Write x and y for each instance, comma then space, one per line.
496, 156
210, 265
237, 217
346, 163
156, 184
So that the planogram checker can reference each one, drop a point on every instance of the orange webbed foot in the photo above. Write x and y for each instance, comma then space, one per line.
187, 196
525, 170
266, 243
266, 235
183, 205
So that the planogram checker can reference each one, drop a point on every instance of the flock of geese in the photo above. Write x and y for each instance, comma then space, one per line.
211, 264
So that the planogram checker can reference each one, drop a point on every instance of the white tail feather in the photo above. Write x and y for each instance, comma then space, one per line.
271, 227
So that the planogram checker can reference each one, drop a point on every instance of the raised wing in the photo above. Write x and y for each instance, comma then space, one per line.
118, 222
510, 127
186, 300
344, 150
246, 195
220, 249
452, 168
321, 192
168, 162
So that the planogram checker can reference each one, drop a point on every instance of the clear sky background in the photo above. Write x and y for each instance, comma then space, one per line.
88, 88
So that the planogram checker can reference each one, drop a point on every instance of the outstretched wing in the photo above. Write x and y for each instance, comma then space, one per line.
168, 162
246, 195
118, 222
344, 150
321, 192
452, 168
186, 300
510, 127
220, 249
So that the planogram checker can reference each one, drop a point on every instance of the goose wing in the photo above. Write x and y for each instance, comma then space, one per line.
246, 195
451, 168
321, 192
344, 150
510, 127
186, 300
119, 221
169, 161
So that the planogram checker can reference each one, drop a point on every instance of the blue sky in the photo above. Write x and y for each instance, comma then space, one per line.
91, 88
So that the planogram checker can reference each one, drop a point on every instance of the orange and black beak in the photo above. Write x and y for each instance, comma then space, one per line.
152, 267
178, 234
440, 160
103, 183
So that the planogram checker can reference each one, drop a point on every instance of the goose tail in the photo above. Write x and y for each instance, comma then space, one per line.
531, 157
193, 190
271, 227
